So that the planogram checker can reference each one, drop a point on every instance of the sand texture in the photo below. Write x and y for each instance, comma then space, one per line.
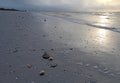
39, 48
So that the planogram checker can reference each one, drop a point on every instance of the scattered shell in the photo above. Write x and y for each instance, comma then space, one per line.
51, 58
29, 66
42, 73
54, 65
45, 55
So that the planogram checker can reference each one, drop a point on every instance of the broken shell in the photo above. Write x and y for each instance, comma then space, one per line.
41, 73
29, 66
45, 56
51, 58
54, 65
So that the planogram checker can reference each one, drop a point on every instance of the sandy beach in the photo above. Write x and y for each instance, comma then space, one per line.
78, 53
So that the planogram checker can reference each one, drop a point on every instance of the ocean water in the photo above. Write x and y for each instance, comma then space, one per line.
103, 20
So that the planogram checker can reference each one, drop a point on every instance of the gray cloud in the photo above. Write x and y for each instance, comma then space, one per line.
61, 4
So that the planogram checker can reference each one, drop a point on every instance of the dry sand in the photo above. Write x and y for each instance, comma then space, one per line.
78, 53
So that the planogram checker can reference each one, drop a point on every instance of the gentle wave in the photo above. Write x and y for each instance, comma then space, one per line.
108, 28
70, 18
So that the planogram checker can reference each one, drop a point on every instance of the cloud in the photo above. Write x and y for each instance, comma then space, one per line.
61, 4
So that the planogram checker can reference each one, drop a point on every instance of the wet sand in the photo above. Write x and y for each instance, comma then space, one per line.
80, 53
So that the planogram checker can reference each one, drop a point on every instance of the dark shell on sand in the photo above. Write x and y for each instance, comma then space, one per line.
41, 73
45, 55
53, 65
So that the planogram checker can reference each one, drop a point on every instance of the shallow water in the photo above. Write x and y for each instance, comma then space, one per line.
103, 20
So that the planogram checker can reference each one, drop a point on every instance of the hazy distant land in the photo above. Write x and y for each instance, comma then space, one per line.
7, 9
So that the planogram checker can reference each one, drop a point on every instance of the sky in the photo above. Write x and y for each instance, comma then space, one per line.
62, 5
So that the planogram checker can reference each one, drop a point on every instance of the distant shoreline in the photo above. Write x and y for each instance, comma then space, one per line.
10, 9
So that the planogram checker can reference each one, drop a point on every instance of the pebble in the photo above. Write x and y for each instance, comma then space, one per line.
53, 65
45, 55
42, 73
51, 58
29, 66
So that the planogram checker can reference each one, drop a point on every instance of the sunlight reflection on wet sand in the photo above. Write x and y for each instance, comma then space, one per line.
103, 20
102, 36
102, 33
